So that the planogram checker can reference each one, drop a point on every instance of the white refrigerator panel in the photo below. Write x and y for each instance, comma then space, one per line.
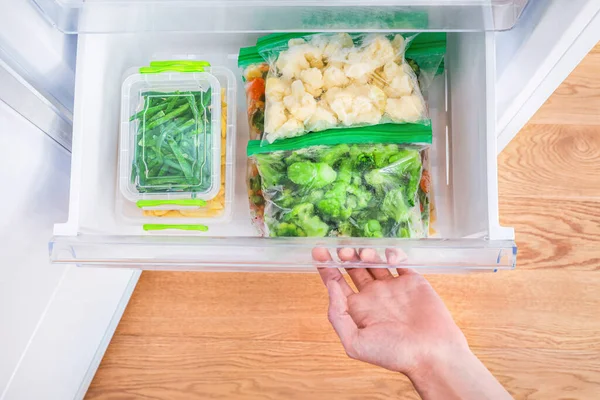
55, 321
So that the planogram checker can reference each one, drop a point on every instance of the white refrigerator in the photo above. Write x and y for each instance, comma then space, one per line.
71, 265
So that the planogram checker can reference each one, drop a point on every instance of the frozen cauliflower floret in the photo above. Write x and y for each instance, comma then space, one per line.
340, 101
405, 109
377, 97
276, 89
333, 76
300, 104
292, 61
322, 119
333, 46
314, 56
356, 104
391, 70
398, 44
378, 52
399, 80
275, 116
291, 128
364, 112
313, 81
400, 86
358, 65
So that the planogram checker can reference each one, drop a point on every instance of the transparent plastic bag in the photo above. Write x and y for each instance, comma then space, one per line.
335, 80
361, 182
254, 73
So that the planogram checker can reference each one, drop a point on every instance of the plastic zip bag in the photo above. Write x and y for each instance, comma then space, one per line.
335, 80
358, 182
254, 73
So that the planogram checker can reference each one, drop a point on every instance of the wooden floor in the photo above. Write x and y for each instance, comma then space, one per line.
266, 336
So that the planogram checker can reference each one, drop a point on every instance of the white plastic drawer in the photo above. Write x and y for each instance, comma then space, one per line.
102, 16
464, 170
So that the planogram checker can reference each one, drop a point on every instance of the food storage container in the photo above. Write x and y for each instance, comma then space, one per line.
170, 147
217, 210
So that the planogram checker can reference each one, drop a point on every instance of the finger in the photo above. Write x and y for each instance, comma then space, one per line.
395, 257
332, 273
340, 319
360, 276
370, 256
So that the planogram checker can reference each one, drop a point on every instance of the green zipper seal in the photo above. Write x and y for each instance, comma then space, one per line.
426, 48
156, 67
182, 227
172, 68
421, 43
191, 63
384, 133
427, 43
179, 202
249, 56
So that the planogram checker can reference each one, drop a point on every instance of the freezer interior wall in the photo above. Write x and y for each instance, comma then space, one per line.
101, 16
457, 106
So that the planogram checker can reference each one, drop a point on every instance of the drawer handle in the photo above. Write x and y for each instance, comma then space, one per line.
182, 227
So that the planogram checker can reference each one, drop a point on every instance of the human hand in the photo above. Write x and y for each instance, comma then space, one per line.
398, 323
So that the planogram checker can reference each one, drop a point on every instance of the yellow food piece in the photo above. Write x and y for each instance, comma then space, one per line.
214, 207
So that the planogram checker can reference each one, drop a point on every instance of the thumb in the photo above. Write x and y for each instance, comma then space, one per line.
342, 322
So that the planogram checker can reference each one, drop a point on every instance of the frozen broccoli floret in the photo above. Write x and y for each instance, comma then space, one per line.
361, 195
313, 226
285, 198
332, 155
382, 180
362, 157
372, 228
313, 196
403, 161
383, 153
332, 208
364, 162
286, 229
303, 216
315, 175
347, 228
333, 204
294, 157
345, 172
302, 173
271, 169
394, 205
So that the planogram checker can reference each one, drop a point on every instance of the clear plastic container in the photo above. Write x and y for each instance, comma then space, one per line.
217, 210
168, 156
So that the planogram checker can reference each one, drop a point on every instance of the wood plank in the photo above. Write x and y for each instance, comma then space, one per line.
241, 369
522, 308
143, 367
554, 233
552, 161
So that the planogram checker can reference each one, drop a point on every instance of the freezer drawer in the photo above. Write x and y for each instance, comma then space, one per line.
100, 16
464, 170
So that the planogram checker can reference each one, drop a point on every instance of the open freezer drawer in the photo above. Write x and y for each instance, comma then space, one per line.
464, 170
